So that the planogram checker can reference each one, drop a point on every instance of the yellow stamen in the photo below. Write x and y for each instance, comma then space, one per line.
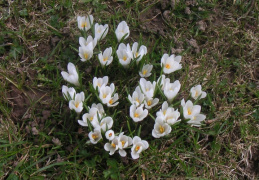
149, 102
124, 58
136, 115
189, 111
104, 95
113, 145
137, 148
110, 134
196, 94
164, 112
167, 66
84, 24
137, 100
98, 84
105, 59
85, 55
111, 101
77, 104
123, 143
161, 129
136, 54
91, 118
144, 72
94, 136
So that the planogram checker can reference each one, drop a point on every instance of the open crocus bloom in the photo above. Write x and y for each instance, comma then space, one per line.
77, 104
100, 31
171, 89
72, 75
124, 54
105, 94
105, 58
122, 30
86, 52
123, 142
147, 87
162, 112
112, 102
138, 114
84, 23
99, 82
105, 124
68, 93
160, 128
171, 64
197, 92
109, 135
138, 146
146, 70
89, 40
137, 97
172, 116
190, 110
138, 53
113, 146
150, 102
95, 136
196, 120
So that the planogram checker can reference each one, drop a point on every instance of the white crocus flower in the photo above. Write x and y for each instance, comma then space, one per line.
68, 93
171, 89
197, 92
190, 110
109, 135
170, 63
160, 128
105, 124
122, 30
172, 116
88, 41
100, 109
147, 87
138, 114
77, 104
124, 54
86, 52
105, 58
72, 75
123, 142
138, 53
105, 94
146, 70
112, 102
150, 102
138, 146
196, 120
163, 81
162, 112
95, 136
84, 23
113, 146
99, 82
137, 97
100, 31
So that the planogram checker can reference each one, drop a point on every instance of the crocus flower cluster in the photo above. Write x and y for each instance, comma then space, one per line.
141, 102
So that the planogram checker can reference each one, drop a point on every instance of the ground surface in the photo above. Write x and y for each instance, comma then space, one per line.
40, 138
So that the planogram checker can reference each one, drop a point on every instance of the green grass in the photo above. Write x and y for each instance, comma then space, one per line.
37, 40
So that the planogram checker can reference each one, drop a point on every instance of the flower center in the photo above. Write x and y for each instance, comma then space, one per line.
110, 134
104, 95
91, 118
161, 129
167, 66
113, 145
136, 54
124, 58
164, 112
136, 115
94, 136
123, 143
149, 103
85, 55
189, 111
105, 59
137, 148
137, 100
111, 101
196, 93
144, 72
84, 24
77, 104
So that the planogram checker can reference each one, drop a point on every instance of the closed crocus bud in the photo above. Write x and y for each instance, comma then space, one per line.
100, 31
68, 93
171, 90
84, 23
122, 30
170, 63
72, 75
